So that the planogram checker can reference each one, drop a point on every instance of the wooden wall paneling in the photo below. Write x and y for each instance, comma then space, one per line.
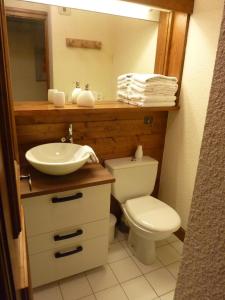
185, 6
7, 125
178, 45
163, 42
9, 173
171, 45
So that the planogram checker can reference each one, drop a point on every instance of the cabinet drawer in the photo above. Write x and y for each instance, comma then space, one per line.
68, 236
71, 208
46, 268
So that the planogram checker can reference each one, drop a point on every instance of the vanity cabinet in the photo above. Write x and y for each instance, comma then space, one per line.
67, 232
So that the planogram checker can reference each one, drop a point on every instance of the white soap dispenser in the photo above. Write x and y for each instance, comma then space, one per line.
86, 98
76, 92
139, 153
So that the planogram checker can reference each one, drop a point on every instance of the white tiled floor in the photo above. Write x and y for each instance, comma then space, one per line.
124, 277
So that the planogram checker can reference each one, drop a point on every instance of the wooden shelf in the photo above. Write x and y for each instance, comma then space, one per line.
23, 107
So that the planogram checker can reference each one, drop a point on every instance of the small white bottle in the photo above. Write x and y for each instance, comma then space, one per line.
76, 91
139, 153
86, 98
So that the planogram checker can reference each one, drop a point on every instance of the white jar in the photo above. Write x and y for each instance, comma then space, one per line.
86, 98
59, 99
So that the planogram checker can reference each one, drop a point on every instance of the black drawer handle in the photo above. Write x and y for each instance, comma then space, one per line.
67, 198
59, 237
63, 254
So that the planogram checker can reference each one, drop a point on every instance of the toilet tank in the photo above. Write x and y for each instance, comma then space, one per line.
134, 178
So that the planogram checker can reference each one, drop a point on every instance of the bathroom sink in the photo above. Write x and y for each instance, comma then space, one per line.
57, 158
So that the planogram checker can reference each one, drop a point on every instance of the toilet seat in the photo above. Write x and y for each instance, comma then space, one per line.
152, 214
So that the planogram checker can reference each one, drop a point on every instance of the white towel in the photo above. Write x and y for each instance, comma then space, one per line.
159, 90
152, 84
87, 149
122, 86
152, 104
122, 94
124, 76
145, 78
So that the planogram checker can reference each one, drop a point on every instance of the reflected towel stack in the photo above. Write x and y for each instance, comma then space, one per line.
124, 87
149, 90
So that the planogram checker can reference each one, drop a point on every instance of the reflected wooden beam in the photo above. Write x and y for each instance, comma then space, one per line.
185, 6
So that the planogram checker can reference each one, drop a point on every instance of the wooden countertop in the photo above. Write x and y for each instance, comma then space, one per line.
23, 107
88, 175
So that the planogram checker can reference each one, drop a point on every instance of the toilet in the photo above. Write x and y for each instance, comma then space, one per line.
149, 219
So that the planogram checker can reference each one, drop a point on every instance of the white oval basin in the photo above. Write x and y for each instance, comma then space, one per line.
57, 158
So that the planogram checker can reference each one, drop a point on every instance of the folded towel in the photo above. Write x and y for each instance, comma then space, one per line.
152, 104
159, 90
153, 84
124, 76
87, 150
144, 78
123, 85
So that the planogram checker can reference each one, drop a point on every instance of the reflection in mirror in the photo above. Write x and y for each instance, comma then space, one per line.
41, 59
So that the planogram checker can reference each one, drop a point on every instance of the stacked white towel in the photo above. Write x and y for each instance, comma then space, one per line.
150, 90
124, 86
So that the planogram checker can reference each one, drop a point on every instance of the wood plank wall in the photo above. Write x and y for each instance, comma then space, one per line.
111, 135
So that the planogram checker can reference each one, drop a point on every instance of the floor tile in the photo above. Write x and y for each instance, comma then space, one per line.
101, 278
162, 281
116, 252
48, 292
178, 245
161, 243
75, 287
174, 268
168, 296
139, 289
167, 254
114, 293
125, 269
147, 268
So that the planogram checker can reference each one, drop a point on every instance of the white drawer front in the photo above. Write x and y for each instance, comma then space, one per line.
41, 215
68, 236
46, 268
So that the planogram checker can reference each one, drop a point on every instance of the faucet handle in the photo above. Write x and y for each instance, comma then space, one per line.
63, 139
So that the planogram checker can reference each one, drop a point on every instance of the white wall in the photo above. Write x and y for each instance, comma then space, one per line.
84, 65
185, 127
134, 46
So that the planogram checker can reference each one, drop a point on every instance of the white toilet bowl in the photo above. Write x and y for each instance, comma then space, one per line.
150, 220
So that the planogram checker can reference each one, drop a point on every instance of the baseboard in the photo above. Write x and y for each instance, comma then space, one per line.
180, 233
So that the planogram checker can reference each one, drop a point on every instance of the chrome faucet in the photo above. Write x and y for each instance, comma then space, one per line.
69, 137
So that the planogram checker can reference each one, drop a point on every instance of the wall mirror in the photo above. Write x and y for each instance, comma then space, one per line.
40, 57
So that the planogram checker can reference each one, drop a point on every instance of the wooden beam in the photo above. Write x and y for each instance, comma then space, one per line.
185, 6
163, 42
86, 44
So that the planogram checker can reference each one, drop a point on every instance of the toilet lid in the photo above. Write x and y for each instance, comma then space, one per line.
152, 214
